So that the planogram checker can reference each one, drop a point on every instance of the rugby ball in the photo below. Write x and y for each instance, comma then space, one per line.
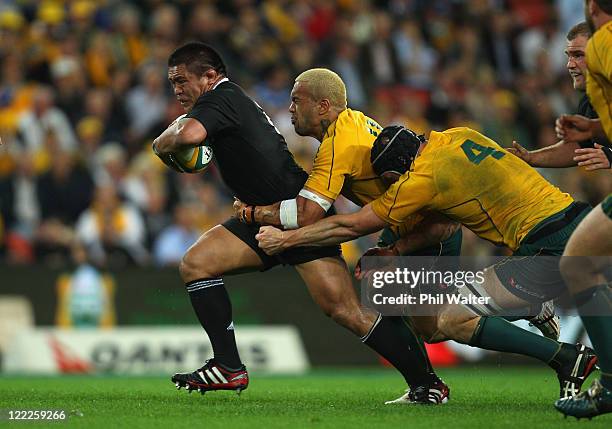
193, 159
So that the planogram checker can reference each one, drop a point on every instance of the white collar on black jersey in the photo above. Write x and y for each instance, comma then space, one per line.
220, 82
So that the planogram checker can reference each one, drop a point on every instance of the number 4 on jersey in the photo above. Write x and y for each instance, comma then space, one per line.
476, 153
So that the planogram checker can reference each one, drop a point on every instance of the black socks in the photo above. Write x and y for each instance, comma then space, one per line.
393, 339
212, 305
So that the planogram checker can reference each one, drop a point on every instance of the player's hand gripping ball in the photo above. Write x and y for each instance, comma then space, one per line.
193, 159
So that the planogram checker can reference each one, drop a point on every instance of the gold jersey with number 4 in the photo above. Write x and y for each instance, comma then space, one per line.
342, 164
472, 180
599, 77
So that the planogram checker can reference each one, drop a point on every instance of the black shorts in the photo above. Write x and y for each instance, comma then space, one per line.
535, 279
532, 273
295, 256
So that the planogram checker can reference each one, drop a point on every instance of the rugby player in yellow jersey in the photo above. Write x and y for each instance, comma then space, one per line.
320, 190
583, 264
509, 205
342, 166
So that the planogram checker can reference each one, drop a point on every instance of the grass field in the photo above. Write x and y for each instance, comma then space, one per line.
480, 398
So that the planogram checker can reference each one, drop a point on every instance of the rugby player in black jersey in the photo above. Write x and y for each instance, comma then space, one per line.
255, 163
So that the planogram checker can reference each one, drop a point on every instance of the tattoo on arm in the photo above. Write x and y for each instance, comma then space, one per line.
268, 215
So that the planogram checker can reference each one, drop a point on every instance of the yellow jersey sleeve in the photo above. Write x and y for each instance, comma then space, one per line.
411, 193
599, 77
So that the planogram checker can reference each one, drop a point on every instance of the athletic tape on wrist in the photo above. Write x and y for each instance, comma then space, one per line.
288, 214
325, 205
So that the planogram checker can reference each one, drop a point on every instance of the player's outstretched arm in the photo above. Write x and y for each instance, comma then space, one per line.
329, 231
289, 214
556, 156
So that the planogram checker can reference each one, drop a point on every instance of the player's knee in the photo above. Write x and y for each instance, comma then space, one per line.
344, 316
196, 265
452, 326
187, 268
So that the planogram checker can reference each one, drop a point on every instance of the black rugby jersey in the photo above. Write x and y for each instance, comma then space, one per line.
251, 154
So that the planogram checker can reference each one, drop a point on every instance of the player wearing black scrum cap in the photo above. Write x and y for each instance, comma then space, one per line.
472, 180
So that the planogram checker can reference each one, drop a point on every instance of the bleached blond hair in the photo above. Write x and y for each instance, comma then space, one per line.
324, 83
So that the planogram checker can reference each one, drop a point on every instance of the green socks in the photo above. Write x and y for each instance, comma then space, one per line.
495, 333
595, 308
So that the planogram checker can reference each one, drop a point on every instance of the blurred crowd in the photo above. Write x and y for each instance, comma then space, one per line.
83, 92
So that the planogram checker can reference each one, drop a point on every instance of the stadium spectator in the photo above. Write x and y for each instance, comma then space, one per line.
174, 240
416, 57
150, 93
64, 192
101, 103
112, 232
379, 58
129, 40
19, 207
69, 84
273, 92
43, 118
345, 63
499, 44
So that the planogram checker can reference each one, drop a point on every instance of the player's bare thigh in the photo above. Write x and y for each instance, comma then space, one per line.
588, 252
331, 287
446, 322
218, 252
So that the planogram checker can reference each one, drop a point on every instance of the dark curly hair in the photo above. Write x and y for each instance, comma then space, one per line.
198, 58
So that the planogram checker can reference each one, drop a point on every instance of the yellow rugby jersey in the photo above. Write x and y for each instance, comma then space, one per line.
599, 76
472, 180
342, 164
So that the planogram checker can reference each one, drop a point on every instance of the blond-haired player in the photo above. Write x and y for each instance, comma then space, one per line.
342, 166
